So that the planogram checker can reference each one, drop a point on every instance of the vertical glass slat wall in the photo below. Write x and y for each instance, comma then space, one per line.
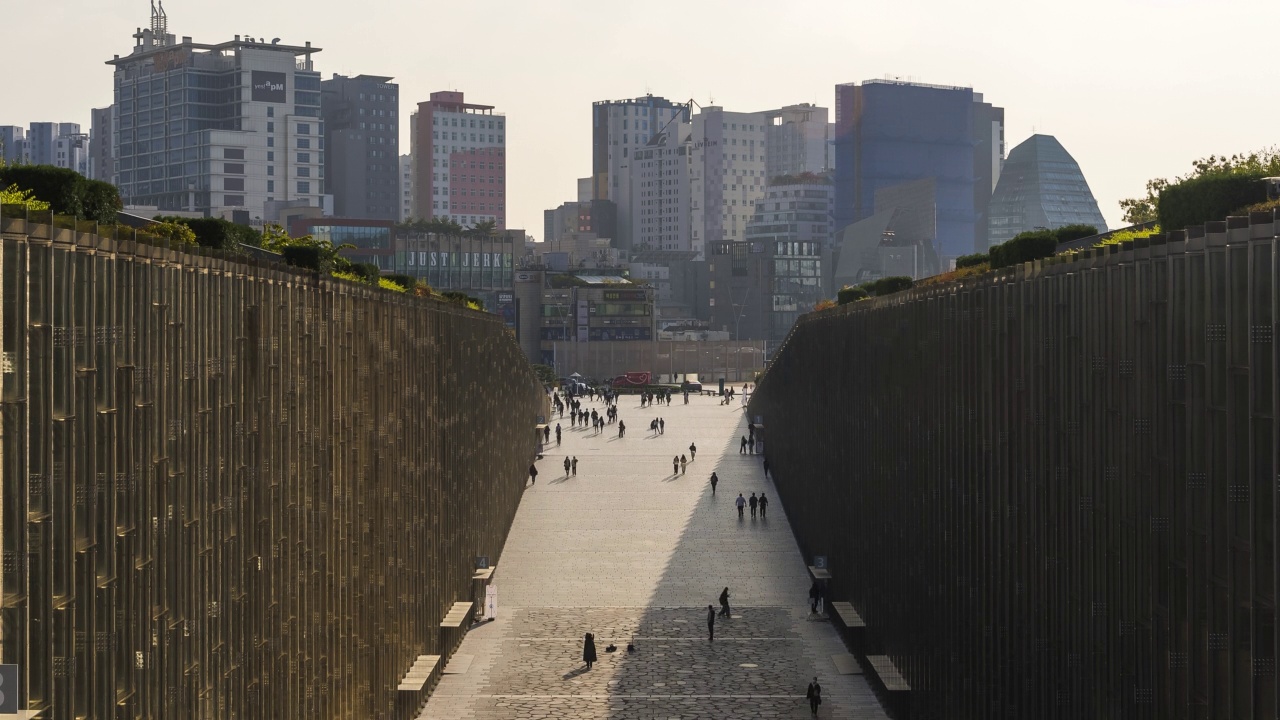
1051, 491
232, 491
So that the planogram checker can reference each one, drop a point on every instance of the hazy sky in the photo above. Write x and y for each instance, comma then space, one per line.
1133, 89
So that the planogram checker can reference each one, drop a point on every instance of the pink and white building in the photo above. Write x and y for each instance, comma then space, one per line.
460, 161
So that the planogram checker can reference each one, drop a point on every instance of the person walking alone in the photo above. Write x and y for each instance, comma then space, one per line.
742, 449
589, 650
754, 501
622, 429
693, 451
741, 502
766, 468
533, 474
711, 623
662, 426
815, 696
557, 434
714, 480
675, 465
764, 505
724, 603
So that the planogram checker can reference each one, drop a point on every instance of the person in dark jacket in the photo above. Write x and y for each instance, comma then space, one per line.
815, 696
711, 623
724, 603
589, 649
766, 468
764, 506
714, 480
533, 474
753, 501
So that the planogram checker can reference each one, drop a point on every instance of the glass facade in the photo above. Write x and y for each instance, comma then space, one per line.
1041, 186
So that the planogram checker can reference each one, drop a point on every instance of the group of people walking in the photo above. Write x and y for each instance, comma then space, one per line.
757, 503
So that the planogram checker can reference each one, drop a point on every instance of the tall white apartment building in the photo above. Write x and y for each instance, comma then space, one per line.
657, 191
726, 173
618, 129
406, 187
799, 141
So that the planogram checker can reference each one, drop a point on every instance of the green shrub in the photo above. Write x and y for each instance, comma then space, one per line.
387, 284
1258, 207
849, 294
368, 271
404, 281
302, 256
1024, 247
1067, 233
971, 260
217, 233
888, 285
1208, 197
67, 191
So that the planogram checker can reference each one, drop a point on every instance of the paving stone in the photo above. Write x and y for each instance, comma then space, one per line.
634, 554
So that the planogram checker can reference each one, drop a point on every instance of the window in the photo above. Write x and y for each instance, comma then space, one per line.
304, 172
271, 112
271, 142
304, 143
233, 168
304, 157
233, 200
271, 169
271, 127
304, 187
304, 128
271, 156
271, 186
233, 184
233, 153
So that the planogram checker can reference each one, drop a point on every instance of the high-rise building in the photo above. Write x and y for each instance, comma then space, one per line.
102, 164
406, 187
657, 190
231, 129
361, 132
460, 161
890, 132
1041, 186
46, 143
727, 174
797, 141
762, 285
618, 129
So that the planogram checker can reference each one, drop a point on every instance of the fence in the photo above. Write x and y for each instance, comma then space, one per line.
235, 491
1051, 492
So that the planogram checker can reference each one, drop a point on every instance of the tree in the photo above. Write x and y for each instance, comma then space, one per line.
217, 233
305, 251
67, 191
12, 196
546, 374
171, 231
1256, 165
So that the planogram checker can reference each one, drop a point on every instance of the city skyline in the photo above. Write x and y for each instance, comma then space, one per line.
1098, 94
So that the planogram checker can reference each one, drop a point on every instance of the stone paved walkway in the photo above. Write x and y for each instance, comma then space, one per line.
634, 554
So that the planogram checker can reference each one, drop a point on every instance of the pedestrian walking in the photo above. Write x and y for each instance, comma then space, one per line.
622, 429
557, 434
764, 505
814, 694
589, 650
662, 426
533, 474
754, 501
711, 623
693, 451
813, 598
741, 503
724, 603
714, 480
546, 433
751, 444
766, 468
684, 464
575, 466
566, 466
675, 465
742, 449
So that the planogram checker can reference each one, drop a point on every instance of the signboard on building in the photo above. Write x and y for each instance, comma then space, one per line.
269, 86
625, 295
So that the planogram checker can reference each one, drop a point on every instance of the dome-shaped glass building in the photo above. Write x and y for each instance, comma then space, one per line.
1040, 186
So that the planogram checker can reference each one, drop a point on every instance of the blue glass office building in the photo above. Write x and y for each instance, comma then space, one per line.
890, 132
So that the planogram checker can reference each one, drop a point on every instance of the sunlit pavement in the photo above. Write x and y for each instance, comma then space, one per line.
634, 554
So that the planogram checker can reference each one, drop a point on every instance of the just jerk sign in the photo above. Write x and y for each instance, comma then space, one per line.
458, 259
